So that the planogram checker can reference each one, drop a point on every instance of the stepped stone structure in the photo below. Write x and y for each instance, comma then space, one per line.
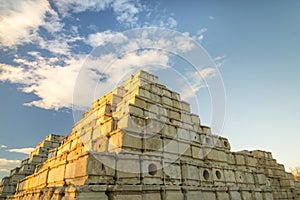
141, 141
28, 166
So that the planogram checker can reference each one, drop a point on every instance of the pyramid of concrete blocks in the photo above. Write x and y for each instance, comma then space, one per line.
28, 166
141, 141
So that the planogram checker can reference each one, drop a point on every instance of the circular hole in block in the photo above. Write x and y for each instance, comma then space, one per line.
225, 144
205, 174
152, 169
218, 174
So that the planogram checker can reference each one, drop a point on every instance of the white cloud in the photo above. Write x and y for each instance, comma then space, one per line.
172, 22
211, 17
66, 6
197, 80
12, 74
200, 34
20, 20
183, 44
202, 30
6, 165
206, 73
53, 23
59, 45
126, 11
53, 83
220, 60
3, 146
200, 37
21, 150
102, 38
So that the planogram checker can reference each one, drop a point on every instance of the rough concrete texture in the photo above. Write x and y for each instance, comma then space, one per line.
141, 141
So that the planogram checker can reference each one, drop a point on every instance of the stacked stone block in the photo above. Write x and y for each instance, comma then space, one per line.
30, 165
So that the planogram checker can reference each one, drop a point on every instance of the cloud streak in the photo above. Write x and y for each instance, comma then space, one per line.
220, 60
21, 150
6, 165
197, 80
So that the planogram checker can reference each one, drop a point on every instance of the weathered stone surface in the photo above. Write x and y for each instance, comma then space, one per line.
141, 141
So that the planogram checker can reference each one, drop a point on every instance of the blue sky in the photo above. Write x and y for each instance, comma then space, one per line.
254, 44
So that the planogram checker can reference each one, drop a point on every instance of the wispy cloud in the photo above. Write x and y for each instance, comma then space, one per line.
126, 11
20, 20
102, 38
171, 22
6, 165
220, 60
3, 146
200, 34
197, 80
61, 44
51, 80
21, 150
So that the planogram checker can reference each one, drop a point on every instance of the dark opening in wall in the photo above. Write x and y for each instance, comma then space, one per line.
225, 144
207, 140
218, 174
152, 169
205, 174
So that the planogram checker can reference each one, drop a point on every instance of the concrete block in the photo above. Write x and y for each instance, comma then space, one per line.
128, 169
183, 134
169, 131
152, 173
246, 195
153, 143
190, 174
124, 139
235, 195
172, 173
